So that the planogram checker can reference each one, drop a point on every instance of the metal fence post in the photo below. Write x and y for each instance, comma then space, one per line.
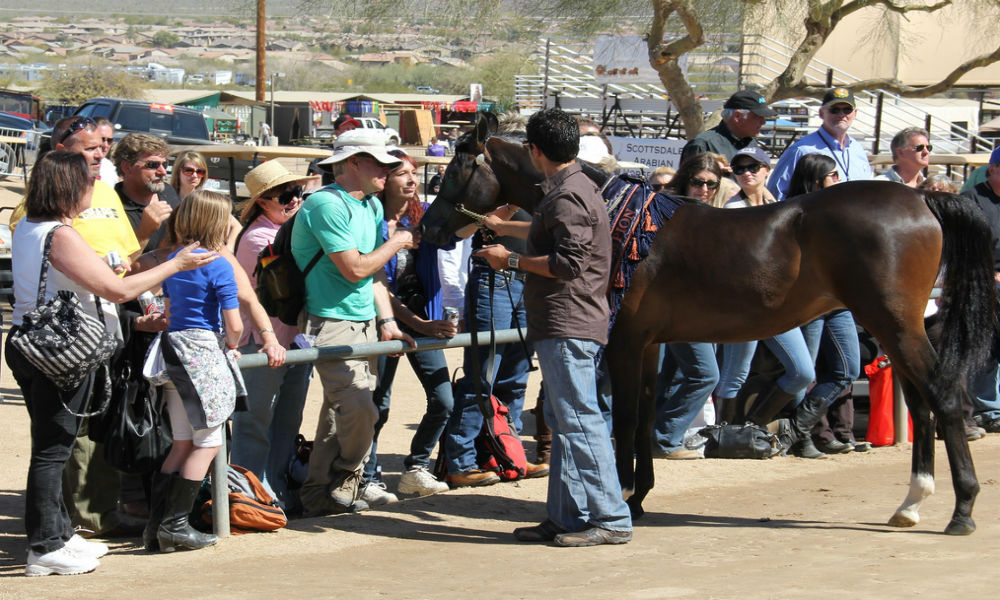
900, 415
220, 492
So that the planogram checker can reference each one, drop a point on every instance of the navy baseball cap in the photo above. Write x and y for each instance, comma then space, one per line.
752, 101
839, 95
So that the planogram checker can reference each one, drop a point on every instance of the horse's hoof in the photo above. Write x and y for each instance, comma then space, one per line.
903, 520
635, 508
960, 527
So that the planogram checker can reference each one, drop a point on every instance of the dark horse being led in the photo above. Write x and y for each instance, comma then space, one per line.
716, 275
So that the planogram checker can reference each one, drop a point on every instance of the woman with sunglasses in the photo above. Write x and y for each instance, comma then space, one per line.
189, 173
264, 434
833, 339
751, 167
415, 283
689, 371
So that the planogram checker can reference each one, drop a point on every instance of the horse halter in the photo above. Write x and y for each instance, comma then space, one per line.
480, 161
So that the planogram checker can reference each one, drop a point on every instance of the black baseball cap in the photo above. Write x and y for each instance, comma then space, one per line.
838, 95
752, 101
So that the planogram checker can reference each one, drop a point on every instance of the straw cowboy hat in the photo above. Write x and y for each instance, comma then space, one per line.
267, 176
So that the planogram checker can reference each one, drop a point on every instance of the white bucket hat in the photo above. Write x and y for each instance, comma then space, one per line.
361, 141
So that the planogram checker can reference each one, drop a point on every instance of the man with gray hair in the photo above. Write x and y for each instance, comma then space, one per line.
743, 114
911, 153
146, 196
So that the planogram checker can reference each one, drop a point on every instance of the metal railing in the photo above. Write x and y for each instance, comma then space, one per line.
17, 150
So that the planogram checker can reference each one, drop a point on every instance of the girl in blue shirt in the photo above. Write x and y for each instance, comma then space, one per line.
204, 379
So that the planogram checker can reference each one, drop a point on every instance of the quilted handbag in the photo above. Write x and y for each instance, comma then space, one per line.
59, 338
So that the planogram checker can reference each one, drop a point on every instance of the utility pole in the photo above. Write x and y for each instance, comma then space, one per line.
261, 79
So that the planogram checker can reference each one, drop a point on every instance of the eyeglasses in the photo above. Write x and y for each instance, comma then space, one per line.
108, 141
154, 165
77, 125
841, 110
658, 187
834, 175
747, 169
695, 182
193, 171
287, 195
920, 147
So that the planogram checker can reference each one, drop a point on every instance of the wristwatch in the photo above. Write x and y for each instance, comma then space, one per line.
513, 260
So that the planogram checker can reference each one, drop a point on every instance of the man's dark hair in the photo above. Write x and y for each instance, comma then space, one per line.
555, 133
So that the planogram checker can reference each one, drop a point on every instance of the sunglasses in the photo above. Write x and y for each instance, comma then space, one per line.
841, 110
658, 187
77, 125
834, 175
287, 195
695, 182
920, 147
154, 165
108, 141
193, 171
747, 169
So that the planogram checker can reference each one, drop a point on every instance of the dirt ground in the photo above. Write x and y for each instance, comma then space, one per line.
781, 528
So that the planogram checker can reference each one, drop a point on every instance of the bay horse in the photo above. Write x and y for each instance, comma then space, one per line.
736, 275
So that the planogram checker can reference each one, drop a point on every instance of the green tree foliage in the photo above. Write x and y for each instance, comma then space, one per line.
165, 39
78, 85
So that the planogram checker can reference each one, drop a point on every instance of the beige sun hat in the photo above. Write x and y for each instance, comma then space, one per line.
267, 176
361, 141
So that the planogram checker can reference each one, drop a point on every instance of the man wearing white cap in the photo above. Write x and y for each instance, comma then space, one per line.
347, 302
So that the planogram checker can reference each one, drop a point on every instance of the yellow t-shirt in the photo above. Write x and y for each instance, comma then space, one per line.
104, 226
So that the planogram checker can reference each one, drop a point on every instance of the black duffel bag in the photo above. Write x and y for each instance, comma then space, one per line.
739, 441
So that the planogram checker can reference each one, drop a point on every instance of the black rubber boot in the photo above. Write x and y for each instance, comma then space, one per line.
727, 411
806, 416
158, 494
175, 531
765, 409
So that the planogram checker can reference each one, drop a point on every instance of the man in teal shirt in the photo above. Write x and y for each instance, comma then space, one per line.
347, 302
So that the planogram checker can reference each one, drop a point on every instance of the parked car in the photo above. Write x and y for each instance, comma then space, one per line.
11, 157
426, 89
178, 125
391, 135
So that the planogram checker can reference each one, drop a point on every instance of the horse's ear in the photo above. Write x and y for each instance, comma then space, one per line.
486, 125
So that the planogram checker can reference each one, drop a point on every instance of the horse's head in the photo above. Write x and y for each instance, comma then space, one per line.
486, 172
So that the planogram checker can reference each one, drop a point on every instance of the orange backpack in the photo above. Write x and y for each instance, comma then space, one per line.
251, 507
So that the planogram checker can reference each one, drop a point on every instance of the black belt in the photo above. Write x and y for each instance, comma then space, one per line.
478, 263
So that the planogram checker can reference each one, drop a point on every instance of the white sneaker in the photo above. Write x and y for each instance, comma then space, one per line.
418, 480
60, 562
85, 547
375, 494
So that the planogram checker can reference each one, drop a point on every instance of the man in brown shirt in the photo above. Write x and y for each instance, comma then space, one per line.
568, 263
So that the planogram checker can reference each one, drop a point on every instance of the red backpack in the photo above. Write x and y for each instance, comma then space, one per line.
498, 446
251, 508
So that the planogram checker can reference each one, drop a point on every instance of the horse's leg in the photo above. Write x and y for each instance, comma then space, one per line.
922, 459
625, 372
914, 360
963, 471
644, 431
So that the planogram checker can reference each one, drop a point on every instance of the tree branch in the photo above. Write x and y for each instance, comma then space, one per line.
664, 59
894, 85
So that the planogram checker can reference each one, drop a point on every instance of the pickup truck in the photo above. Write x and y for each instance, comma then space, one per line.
391, 135
177, 125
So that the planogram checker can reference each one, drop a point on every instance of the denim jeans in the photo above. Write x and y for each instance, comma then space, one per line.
688, 374
583, 483
264, 434
984, 393
53, 433
432, 371
789, 348
510, 369
833, 338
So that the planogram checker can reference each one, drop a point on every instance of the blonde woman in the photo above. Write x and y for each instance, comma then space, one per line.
189, 173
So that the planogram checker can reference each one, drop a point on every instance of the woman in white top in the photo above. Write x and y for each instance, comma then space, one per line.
60, 188
751, 166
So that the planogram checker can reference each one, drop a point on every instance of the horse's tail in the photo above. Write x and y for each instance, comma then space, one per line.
969, 300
